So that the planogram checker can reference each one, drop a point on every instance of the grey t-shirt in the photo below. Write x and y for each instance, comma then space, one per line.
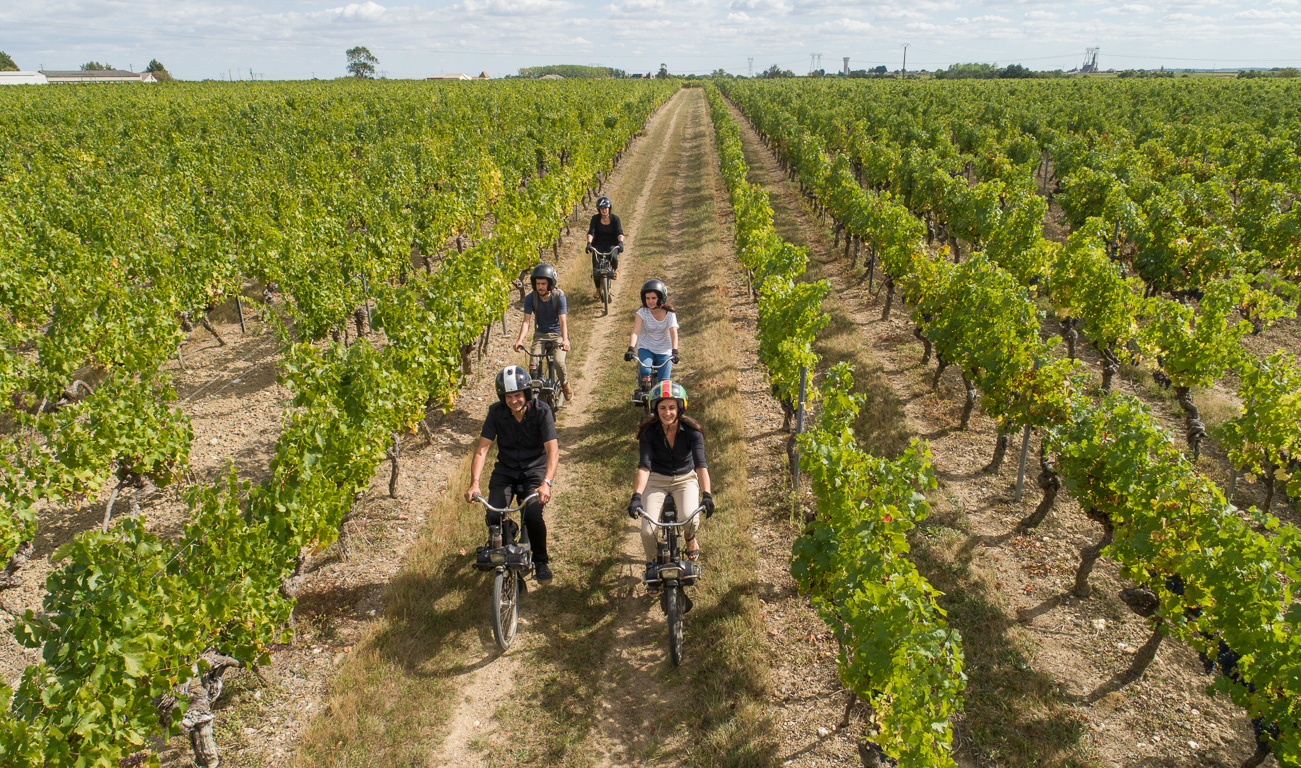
548, 312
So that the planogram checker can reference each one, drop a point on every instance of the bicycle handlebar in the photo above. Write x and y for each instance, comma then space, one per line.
642, 513
611, 252
651, 366
522, 504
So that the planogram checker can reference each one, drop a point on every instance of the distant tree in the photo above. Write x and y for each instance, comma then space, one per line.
361, 64
776, 71
159, 72
95, 66
967, 72
1015, 71
664, 71
1284, 72
880, 69
7, 64
720, 72
571, 71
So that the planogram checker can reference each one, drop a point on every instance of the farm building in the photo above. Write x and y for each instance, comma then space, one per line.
97, 76
22, 78
449, 76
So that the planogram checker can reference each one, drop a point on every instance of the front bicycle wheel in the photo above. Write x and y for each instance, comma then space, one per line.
673, 609
605, 293
505, 608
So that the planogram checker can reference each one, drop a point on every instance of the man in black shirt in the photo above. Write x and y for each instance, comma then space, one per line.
527, 455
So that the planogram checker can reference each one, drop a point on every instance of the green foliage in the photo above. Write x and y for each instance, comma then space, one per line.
95, 66
1263, 439
896, 651
1143, 188
334, 185
6, 63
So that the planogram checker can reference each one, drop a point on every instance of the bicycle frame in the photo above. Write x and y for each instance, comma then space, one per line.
644, 382
603, 258
669, 567
544, 386
501, 554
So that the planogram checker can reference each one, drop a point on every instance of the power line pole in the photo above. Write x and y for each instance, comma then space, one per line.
751, 60
904, 70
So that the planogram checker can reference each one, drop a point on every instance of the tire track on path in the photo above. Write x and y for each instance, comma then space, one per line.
494, 682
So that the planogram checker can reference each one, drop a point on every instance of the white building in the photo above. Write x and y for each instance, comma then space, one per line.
449, 76
97, 76
22, 78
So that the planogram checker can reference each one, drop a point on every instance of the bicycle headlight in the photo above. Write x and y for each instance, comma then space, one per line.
670, 573
497, 557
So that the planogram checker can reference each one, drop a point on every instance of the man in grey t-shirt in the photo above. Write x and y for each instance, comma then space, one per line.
547, 303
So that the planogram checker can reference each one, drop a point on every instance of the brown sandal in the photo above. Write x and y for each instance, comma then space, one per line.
693, 554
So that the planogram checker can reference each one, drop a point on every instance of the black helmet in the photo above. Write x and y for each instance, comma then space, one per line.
547, 271
603, 202
658, 288
513, 378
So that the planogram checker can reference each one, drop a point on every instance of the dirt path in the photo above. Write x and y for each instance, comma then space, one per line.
631, 693
1041, 664
492, 683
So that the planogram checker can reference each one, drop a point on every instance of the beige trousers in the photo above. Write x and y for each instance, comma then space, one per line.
538, 338
685, 490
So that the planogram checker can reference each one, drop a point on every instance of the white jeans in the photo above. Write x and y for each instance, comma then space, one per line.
685, 490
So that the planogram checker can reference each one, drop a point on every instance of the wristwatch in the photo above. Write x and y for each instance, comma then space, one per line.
549, 481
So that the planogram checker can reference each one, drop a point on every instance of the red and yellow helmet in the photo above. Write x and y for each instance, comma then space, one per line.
665, 390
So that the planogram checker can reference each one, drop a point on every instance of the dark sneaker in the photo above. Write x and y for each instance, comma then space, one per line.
542, 573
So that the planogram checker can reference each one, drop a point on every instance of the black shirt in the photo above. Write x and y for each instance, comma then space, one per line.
686, 455
604, 236
520, 443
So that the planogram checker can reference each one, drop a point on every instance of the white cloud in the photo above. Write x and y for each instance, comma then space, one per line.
1259, 14
368, 11
843, 27
1041, 16
515, 7
759, 5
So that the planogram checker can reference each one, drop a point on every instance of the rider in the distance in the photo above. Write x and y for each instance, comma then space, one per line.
527, 455
604, 232
672, 463
547, 302
654, 338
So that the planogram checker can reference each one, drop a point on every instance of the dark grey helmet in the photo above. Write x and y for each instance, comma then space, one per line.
603, 202
544, 271
657, 287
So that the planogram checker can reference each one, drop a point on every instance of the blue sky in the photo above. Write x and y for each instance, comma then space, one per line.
198, 39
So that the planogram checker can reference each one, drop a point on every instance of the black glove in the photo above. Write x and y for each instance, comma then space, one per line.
629, 355
634, 505
707, 499
618, 248
674, 357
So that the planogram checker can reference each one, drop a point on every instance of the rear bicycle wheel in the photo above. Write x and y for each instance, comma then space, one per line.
505, 608
673, 609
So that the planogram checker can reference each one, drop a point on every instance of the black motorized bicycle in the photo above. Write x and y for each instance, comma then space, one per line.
640, 396
510, 564
545, 381
603, 272
672, 571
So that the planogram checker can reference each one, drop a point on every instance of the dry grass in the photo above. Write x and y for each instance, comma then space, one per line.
394, 692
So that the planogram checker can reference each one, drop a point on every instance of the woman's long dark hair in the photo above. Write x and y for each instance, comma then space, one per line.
654, 419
